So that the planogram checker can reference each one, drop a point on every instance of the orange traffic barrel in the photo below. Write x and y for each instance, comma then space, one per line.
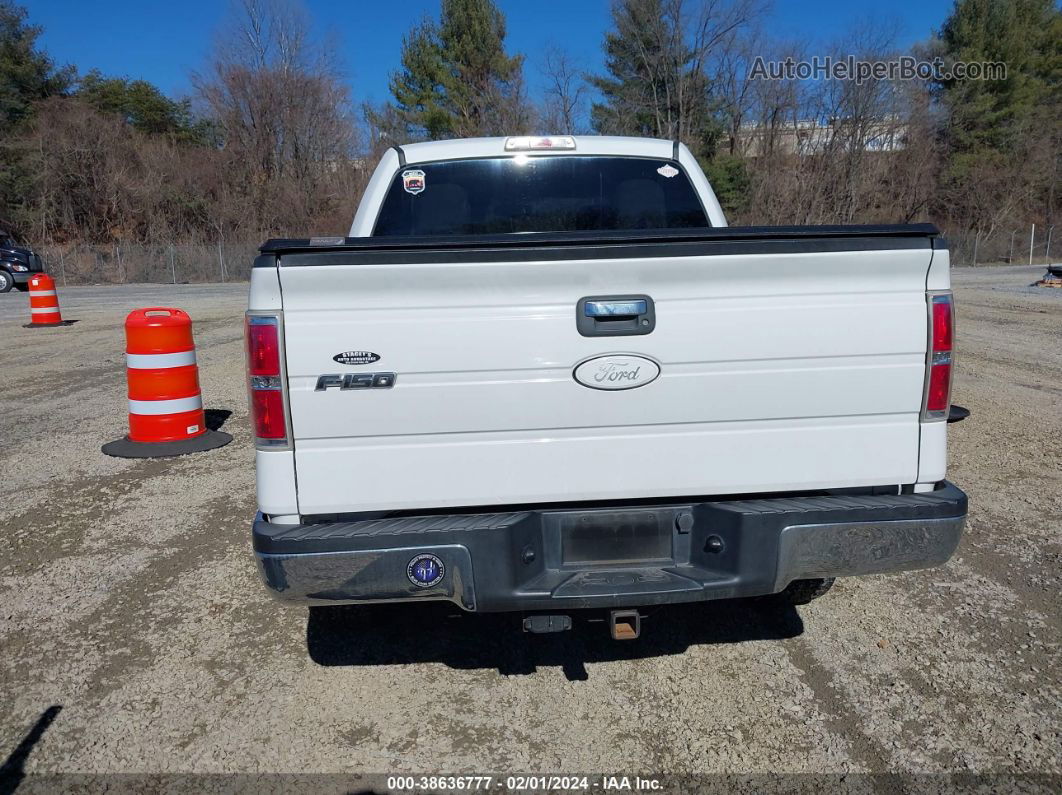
44, 303
166, 414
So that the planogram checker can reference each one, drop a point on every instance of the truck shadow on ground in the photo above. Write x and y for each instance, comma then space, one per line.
215, 418
13, 769
426, 633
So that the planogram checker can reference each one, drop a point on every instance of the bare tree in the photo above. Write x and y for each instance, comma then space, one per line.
832, 151
713, 26
658, 59
733, 89
284, 111
565, 93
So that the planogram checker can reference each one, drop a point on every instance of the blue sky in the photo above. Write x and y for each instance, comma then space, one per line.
164, 42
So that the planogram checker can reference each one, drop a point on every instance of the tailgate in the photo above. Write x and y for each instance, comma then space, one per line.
783, 365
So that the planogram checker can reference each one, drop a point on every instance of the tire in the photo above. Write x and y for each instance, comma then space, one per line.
800, 592
7, 281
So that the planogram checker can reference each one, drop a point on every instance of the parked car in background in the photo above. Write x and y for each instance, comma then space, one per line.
17, 264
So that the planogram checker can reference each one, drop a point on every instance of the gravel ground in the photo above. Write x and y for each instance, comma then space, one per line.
136, 637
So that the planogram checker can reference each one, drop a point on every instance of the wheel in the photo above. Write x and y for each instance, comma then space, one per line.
7, 281
800, 592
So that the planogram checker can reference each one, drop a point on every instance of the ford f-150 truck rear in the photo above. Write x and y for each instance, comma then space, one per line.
542, 374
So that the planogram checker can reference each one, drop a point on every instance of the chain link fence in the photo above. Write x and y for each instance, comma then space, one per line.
1024, 246
80, 263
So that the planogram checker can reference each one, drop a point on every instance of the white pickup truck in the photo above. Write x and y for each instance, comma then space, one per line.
543, 374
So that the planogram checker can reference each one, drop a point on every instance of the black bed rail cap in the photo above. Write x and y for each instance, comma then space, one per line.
598, 237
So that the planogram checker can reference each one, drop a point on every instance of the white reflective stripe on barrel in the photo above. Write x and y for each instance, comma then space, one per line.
159, 361
44, 310
36, 293
175, 406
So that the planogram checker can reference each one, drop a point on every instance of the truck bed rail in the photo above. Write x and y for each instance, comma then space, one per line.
590, 244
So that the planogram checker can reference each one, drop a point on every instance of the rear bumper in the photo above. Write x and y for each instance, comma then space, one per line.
623, 556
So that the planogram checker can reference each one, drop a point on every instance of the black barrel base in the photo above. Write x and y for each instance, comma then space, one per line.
49, 325
127, 448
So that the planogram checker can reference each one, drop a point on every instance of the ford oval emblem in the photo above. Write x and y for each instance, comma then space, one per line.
356, 357
617, 371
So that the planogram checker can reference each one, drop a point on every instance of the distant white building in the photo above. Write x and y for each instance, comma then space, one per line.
810, 136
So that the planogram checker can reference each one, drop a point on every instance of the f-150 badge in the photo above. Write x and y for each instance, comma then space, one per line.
356, 357
616, 372
413, 181
355, 381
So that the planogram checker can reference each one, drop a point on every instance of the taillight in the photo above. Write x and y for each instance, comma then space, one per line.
266, 382
937, 400
942, 326
267, 406
263, 347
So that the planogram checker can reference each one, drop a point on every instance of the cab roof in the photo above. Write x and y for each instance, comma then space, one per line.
462, 148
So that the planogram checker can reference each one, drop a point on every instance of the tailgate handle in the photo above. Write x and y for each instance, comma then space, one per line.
615, 315
611, 309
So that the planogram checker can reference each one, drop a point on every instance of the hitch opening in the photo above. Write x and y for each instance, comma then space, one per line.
624, 624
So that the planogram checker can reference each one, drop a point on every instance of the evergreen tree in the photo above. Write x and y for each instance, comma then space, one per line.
141, 105
1025, 35
656, 84
729, 178
456, 79
1003, 136
420, 89
26, 73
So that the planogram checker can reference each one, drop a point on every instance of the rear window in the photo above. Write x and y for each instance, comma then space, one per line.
538, 194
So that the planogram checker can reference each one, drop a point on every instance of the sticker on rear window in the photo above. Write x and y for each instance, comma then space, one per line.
413, 181
667, 170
